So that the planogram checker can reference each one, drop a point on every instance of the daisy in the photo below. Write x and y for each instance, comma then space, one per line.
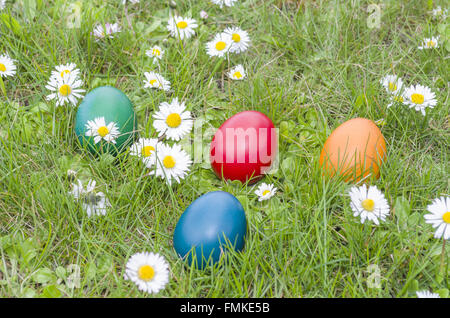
221, 3
149, 271
171, 162
7, 66
173, 120
220, 45
265, 191
427, 294
65, 89
93, 203
108, 29
181, 27
98, 129
237, 73
419, 97
429, 43
368, 203
204, 15
145, 149
439, 217
392, 83
155, 52
69, 68
239, 39
155, 80
438, 12
2, 4
396, 99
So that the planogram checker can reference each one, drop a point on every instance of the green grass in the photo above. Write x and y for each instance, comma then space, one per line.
309, 68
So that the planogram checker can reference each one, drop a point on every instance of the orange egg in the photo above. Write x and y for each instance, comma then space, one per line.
354, 150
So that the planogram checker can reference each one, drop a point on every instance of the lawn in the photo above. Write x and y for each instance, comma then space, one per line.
310, 66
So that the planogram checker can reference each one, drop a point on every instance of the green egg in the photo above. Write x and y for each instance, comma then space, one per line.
114, 106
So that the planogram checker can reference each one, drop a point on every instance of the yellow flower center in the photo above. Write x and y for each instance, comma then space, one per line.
446, 217
417, 98
2, 67
237, 74
169, 162
152, 82
182, 25
156, 52
265, 192
431, 43
103, 131
392, 87
65, 72
368, 205
146, 273
398, 99
236, 37
173, 120
65, 90
220, 45
147, 151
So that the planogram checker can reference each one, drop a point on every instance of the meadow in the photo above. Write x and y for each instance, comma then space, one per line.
310, 66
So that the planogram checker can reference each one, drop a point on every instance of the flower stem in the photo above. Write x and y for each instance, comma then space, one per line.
441, 268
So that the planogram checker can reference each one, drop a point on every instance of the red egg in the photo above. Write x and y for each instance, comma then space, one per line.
244, 147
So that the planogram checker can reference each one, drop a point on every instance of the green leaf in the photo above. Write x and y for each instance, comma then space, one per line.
43, 276
443, 292
51, 291
11, 23
413, 286
401, 211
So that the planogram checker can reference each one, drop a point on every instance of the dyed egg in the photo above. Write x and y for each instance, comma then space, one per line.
113, 106
244, 147
208, 227
354, 150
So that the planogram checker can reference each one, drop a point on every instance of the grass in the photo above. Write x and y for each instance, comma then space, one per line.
312, 65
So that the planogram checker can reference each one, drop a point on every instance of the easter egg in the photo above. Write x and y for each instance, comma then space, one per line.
209, 226
355, 150
244, 147
105, 121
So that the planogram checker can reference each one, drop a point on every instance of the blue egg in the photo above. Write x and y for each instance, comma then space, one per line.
212, 223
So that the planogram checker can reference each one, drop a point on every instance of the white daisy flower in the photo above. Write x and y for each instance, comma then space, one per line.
430, 43
2, 4
155, 80
219, 46
396, 99
93, 203
237, 73
392, 83
69, 68
204, 15
240, 39
419, 97
181, 27
369, 203
149, 271
101, 31
265, 191
221, 3
145, 148
173, 120
65, 89
98, 129
427, 294
96, 204
439, 13
155, 52
439, 217
172, 162
7, 66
